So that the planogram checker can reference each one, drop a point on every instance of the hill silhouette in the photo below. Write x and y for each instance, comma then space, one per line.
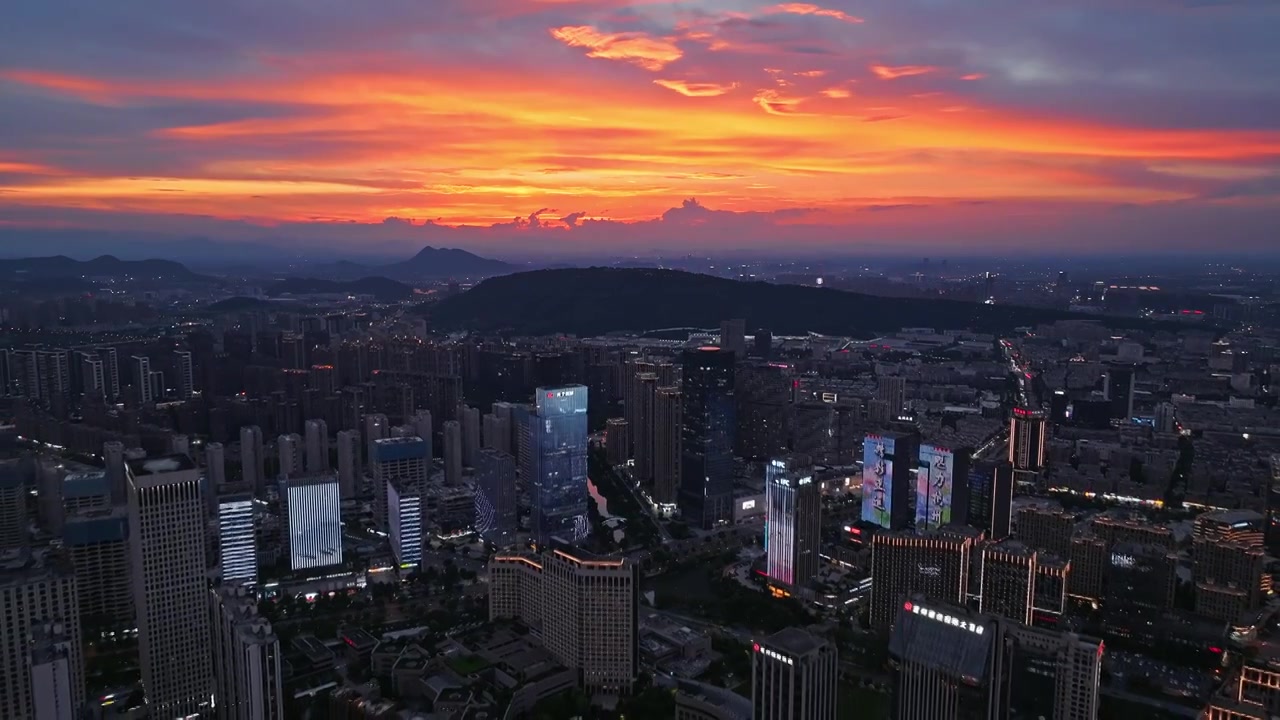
61, 266
594, 301
384, 289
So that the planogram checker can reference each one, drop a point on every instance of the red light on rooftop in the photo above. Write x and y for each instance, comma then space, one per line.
755, 647
1215, 650
907, 606
551, 395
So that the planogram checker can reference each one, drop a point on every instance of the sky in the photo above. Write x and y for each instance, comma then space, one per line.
520, 127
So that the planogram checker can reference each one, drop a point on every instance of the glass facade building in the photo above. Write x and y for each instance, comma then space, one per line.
237, 548
315, 521
558, 434
707, 433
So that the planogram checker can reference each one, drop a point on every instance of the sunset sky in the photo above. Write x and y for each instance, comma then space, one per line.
632, 126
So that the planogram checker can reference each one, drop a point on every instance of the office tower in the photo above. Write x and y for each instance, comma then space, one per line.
215, 458
668, 427
733, 337
762, 343
451, 433
54, 655
643, 395
396, 458
92, 375
113, 459
1117, 389
1230, 578
246, 664
1121, 528
1009, 572
764, 393
110, 372
290, 448
237, 540
404, 520
376, 427
142, 388
1048, 529
794, 676
314, 509
186, 377
34, 596
990, 499
902, 565
167, 570
889, 479
469, 418
97, 546
252, 458
617, 441
892, 391
1059, 407
1166, 417
496, 512
558, 488
949, 663
321, 378
13, 507
793, 533
631, 370
348, 462
586, 607
1027, 440
1141, 578
706, 468
317, 446
422, 428
940, 499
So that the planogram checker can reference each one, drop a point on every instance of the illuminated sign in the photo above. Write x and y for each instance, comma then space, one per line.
877, 480
748, 504
935, 482
829, 397
1122, 561
930, 571
806, 480
944, 618
770, 653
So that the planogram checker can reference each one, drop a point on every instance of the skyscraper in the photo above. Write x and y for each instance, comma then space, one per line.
215, 474
34, 596
349, 471
166, 519
113, 458
934, 565
496, 497
142, 380
469, 418
252, 458
793, 506
949, 664
292, 460
892, 391
733, 337
54, 654
889, 479
246, 663
110, 372
643, 395
403, 458
186, 376
794, 677
1027, 439
317, 446
706, 471
1117, 388
495, 433
668, 410
942, 488
237, 540
1009, 571
990, 498
13, 507
314, 510
617, 441
559, 464
451, 434
404, 521
423, 428
376, 427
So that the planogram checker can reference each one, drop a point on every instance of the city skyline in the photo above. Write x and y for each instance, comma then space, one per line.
645, 125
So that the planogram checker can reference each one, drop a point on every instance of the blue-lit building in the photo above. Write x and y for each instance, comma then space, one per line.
496, 497
558, 464
794, 530
313, 506
404, 521
237, 543
707, 434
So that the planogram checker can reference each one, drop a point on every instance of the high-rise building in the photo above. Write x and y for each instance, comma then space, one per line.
707, 437
113, 458
237, 540
558, 487
733, 337
643, 395
889, 479
942, 487
167, 569
1027, 439
794, 676
179, 444
668, 429
423, 428
13, 507
469, 418
903, 565
1117, 388
892, 391
404, 521
1048, 529
401, 458
186, 376
142, 387
349, 471
495, 433
97, 544
92, 375
292, 460
793, 507
110, 372
252, 458
37, 594
1141, 578
617, 441
215, 474
314, 510
990, 499
317, 456
451, 434
586, 607
1009, 572
246, 662
53, 682
376, 427
496, 519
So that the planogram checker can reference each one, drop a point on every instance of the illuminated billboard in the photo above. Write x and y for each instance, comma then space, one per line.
935, 481
877, 480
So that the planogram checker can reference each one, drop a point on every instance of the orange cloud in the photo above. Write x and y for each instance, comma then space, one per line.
893, 72
695, 89
650, 53
775, 104
811, 73
837, 92
972, 76
808, 9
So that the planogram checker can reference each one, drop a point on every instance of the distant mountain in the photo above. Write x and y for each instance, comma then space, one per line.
383, 289
594, 301
105, 266
446, 262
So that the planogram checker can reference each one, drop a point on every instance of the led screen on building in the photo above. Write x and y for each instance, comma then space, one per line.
877, 480
934, 482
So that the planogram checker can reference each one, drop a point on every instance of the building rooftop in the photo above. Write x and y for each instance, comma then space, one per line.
161, 465
794, 641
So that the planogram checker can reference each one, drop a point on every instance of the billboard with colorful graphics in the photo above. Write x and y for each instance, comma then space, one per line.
935, 480
877, 480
